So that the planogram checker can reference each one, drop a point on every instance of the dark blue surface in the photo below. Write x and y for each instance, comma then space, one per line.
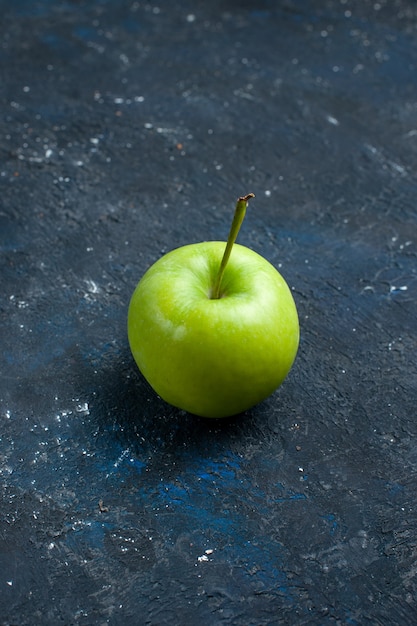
128, 129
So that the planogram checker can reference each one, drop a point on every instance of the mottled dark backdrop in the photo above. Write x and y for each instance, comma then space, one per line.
127, 129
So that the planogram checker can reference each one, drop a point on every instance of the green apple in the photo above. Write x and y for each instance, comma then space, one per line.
213, 326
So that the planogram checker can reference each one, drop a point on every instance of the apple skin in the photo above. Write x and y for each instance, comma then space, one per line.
213, 357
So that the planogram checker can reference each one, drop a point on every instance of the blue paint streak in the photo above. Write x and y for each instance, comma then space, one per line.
331, 520
260, 14
91, 534
394, 489
288, 494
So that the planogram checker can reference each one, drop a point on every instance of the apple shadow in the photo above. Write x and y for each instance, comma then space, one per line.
126, 408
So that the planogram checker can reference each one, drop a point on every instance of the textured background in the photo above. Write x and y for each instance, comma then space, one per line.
127, 129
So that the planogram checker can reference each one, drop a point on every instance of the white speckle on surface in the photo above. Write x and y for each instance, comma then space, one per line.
190, 18
121, 458
399, 168
83, 408
16, 105
267, 192
405, 245
332, 120
92, 287
202, 558
240, 93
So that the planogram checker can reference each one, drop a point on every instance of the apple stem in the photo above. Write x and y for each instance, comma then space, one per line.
239, 216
